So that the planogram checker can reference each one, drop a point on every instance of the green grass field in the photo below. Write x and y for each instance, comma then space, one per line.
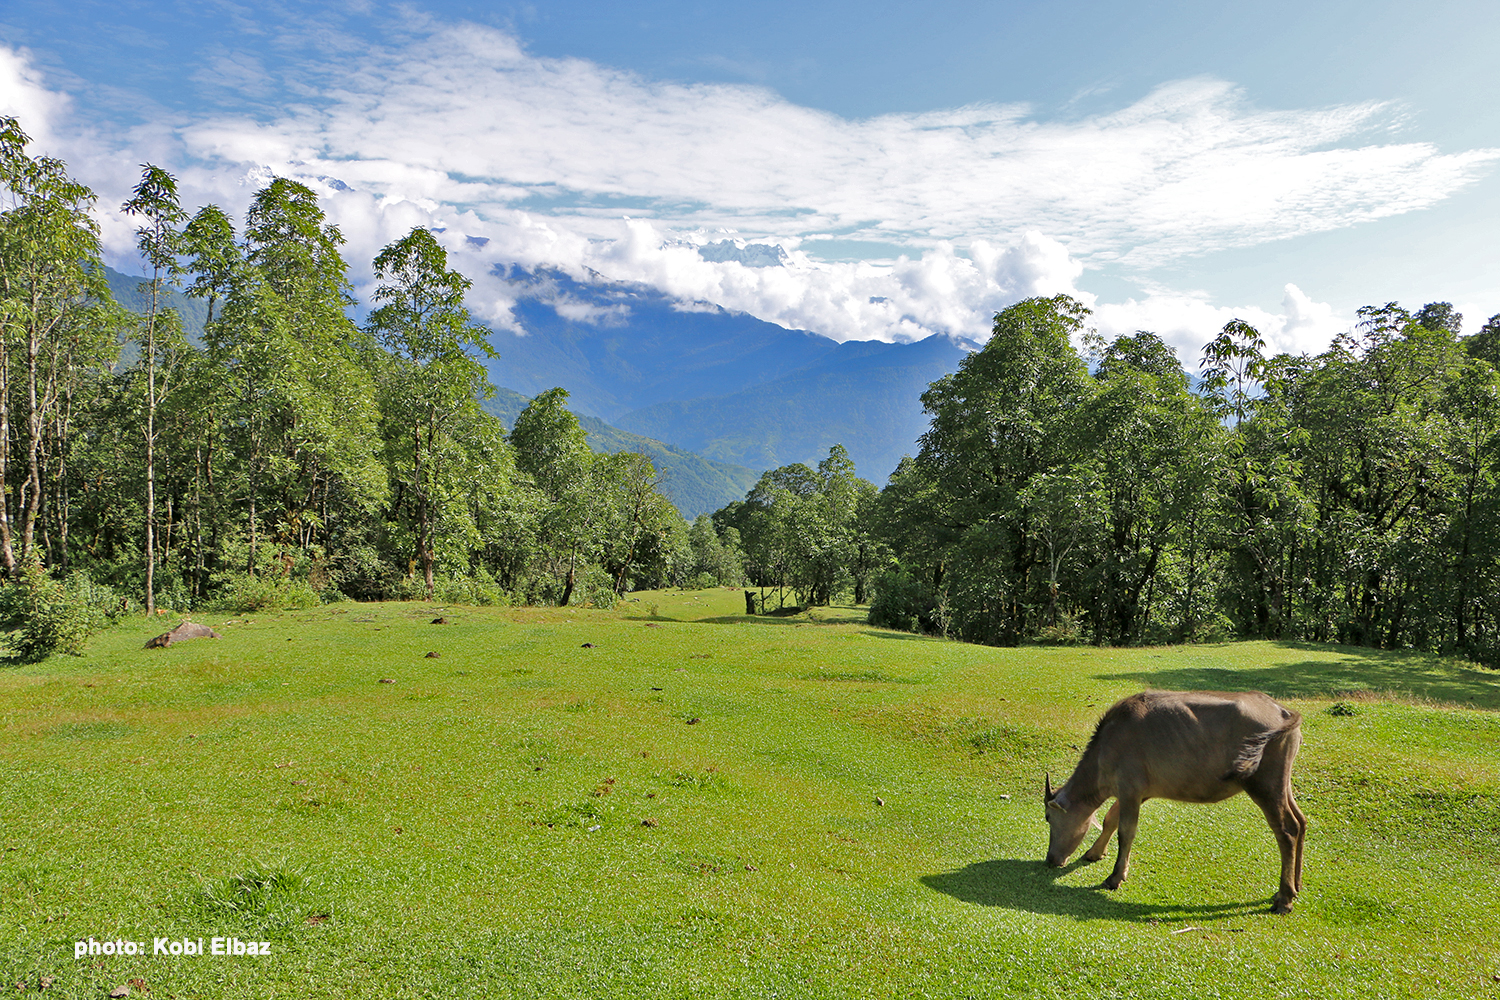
704, 805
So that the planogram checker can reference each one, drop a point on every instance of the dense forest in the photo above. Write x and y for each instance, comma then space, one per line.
291, 455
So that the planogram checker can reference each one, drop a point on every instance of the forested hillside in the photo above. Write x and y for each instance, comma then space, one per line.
727, 386
694, 484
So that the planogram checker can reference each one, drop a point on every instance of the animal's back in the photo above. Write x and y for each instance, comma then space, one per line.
1194, 746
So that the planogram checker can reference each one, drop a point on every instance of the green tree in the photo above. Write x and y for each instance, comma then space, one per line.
431, 377
1005, 417
1440, 316
1141, 431
1471, 576
1485, 345
159, 243
552, 448
53, 304
300, 413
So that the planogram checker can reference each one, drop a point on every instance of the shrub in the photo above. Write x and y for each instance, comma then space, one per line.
901, 601
480, 589
103, 598
1067, 631
43, 617
245, 594
594, 588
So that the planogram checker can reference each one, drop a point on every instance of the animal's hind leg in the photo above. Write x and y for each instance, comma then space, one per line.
1287, 824
1301, 822
1111, 822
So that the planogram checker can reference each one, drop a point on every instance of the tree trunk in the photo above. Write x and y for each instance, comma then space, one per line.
568, 587
7, 545
424, 518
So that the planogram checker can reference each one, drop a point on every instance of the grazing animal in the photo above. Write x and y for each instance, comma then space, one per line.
1189, 746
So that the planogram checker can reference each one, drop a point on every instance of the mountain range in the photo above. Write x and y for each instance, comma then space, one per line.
722, 384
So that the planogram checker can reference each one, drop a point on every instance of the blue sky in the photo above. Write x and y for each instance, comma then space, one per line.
1174, 164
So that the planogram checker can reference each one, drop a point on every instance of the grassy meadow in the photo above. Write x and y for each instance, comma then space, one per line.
672, 800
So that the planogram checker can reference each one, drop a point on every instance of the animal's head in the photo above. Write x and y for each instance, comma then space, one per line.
1069, 824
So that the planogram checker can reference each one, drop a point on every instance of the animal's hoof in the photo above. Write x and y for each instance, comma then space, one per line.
1112, 882
1282, 905
1091, 857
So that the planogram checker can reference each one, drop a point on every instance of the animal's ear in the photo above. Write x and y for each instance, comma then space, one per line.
1058, 801
1047, 795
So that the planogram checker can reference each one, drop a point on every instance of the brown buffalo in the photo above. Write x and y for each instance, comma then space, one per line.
1191, 747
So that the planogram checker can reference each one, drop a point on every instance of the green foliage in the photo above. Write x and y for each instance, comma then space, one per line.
695, 485
480, 589
806, 530
901, 601
1348, 497
595, 588
43, 617
81, 586
1064, 630
429, 384
241, 593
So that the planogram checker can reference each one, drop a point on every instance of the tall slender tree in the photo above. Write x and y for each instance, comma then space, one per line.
159, 241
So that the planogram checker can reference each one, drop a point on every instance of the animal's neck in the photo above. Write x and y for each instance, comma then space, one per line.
1083, 787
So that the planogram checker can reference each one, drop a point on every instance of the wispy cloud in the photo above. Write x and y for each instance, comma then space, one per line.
1189, 168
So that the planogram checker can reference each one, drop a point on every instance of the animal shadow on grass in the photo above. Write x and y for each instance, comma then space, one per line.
1359, 669
1032, 886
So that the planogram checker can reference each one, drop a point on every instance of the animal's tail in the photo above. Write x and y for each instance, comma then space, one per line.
1247, 762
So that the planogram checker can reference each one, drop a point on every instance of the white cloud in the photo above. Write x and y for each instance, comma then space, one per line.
464, 130
24, 95
467, 116
1187, 321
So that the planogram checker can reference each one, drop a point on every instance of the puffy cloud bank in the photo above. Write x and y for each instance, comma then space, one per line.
565, 163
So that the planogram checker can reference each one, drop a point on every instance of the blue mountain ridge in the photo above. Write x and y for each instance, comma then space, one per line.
725, 385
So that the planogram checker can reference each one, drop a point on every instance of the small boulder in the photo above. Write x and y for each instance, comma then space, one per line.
187, 630
433, 655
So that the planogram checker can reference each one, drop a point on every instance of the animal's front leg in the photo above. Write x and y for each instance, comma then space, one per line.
1130, 815
1111, 820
